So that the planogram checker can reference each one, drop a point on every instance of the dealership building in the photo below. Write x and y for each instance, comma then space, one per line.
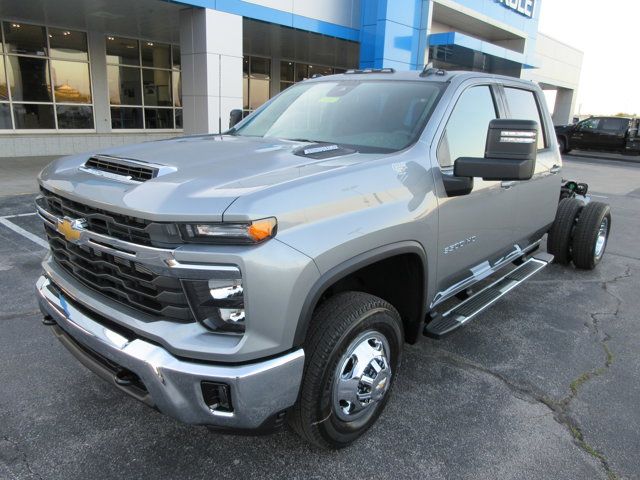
82, 75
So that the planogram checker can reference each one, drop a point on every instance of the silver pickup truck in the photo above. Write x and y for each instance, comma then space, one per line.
272, 273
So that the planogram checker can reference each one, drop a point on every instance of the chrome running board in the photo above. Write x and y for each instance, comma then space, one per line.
454, 318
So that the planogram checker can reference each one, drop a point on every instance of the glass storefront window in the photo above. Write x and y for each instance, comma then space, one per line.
44, 78
158, 117
124, 85
256, 82
287, 72
126, 118
122, 51
4, 90
156, 86
34, 116
156, 55
144, 74
71, 82
176, 83
24, 39
29, 79
74, 117
5, 116
68, 44
176, 62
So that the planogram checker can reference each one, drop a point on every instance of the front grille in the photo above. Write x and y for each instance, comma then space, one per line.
123, 227
138, 173
122, 280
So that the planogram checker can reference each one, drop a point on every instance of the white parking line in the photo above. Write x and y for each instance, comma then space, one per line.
20, 215
22, 231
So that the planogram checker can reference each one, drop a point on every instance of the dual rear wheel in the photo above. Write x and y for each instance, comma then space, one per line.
580, 233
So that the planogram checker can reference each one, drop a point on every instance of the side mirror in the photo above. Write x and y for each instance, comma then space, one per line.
510, 152
234, 117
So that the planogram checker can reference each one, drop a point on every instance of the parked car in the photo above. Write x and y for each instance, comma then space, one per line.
275, 272
610, 134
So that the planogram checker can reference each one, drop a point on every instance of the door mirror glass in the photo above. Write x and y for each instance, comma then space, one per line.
235, 117
510, 152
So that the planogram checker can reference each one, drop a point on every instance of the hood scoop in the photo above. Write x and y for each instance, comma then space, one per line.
124, 169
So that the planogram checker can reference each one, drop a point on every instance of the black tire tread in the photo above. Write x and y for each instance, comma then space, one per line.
559, 240
332, 318
585, 234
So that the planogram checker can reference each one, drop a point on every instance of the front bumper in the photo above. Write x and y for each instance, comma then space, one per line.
259, 391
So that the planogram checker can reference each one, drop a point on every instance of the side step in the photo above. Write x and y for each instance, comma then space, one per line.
447, 322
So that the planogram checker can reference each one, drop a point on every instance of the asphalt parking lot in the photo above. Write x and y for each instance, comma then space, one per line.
545, 384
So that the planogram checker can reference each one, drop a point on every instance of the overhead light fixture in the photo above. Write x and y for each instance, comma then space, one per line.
110, 38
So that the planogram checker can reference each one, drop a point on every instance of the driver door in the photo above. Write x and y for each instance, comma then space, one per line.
477, 228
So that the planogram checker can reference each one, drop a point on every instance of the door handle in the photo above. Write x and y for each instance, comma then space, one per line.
555, 169
507, 185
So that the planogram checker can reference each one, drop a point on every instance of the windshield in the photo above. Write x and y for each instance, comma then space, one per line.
370, 116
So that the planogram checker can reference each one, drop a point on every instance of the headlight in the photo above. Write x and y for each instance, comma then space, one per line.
217, 304
232, 233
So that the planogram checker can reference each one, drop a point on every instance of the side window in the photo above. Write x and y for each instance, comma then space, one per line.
614, 124
589, 125
466, 132
523, 106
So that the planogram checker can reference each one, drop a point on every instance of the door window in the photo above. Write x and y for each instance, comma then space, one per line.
466, 132
589, 125
523, 106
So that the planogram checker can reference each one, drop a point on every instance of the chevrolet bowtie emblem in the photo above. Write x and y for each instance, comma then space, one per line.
71, 229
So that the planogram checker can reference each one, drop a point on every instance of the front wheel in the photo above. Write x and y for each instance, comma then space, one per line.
353, 354
564, 145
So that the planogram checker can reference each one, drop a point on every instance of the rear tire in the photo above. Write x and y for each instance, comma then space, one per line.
591, 235
559, 240
348, 334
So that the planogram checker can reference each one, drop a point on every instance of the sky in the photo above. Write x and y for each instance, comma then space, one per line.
608, 32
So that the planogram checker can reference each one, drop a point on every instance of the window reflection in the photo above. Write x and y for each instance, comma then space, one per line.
78, 117
158, 117
68, 44
157, 87
5, 116
31, 117
157, 55
71, 81
143, 74
124, 85
25, 39
123, 51
4, 91
29, 79
176, 82
126, 117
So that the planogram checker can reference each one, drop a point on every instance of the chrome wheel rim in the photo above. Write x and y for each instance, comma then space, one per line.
362, 376
601, 241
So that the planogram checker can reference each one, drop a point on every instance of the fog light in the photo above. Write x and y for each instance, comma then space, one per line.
217, 396
218, 304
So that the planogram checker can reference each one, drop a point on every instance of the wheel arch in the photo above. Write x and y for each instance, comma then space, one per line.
371, 259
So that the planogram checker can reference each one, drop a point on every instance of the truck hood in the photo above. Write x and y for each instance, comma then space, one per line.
207, 174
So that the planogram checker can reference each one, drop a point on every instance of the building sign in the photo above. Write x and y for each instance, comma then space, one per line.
523, 7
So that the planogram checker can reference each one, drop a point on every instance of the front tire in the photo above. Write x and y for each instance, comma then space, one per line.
591, 235
353, 353
564, 145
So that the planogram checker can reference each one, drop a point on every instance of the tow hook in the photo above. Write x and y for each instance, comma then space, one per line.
48, 320
125, 378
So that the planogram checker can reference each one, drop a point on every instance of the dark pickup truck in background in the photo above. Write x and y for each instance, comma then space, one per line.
614, 134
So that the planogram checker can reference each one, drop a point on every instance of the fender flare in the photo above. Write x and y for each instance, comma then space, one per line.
349, 266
